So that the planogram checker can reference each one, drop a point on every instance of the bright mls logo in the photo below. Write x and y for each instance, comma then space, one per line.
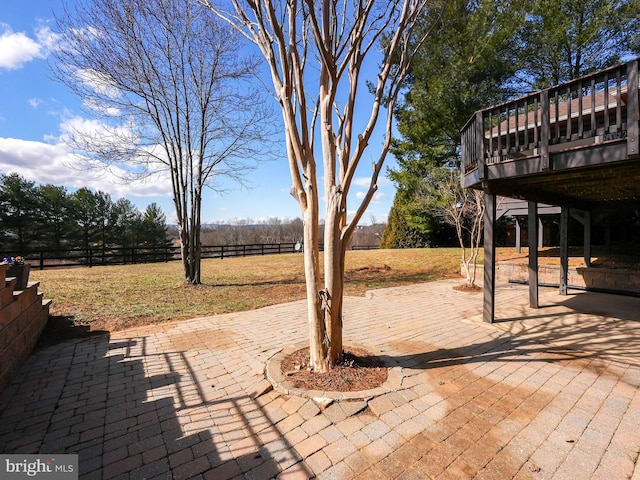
51, 467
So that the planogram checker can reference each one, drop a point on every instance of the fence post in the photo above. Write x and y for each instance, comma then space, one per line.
41, 260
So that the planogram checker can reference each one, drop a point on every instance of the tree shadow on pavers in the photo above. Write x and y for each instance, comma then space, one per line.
561, 335
127, 410
424, 355
605, 305
60, 328
602, 325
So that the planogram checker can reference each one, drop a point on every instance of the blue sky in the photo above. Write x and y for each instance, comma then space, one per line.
35, 112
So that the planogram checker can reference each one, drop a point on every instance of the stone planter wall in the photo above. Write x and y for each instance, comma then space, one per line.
620, 280
23, 315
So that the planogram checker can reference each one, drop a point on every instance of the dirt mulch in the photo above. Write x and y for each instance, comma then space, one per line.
468, 288
359, 370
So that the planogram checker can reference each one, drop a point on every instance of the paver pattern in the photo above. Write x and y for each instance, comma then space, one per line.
551, 393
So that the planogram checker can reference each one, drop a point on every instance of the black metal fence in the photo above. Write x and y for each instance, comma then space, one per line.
91, 257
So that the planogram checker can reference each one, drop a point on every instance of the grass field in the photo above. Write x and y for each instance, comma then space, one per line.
116, 297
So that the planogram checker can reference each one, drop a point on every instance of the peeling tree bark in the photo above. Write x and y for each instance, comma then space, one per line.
319, 103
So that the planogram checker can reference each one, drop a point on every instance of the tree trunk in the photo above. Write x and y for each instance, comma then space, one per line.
184, 253
316, 298
334, 275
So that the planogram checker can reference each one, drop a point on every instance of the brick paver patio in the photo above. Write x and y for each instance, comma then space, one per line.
547, 393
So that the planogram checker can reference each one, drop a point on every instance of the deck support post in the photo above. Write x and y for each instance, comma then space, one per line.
488, 310
586, 221
540, 233
533, 254
564, 249
518, 236
587, 239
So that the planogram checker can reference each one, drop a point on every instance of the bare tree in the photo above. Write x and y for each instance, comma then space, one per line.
463, 208
170, 84
319, 52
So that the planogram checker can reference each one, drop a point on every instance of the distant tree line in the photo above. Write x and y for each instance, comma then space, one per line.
49, 217
274, 230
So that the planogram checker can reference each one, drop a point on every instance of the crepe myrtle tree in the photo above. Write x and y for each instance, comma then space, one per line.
337, 68
173, 92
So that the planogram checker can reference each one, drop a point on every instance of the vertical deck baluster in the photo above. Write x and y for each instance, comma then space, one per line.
557, 118
526, 124
633, 109
569, 128
478, 144
536, 116
490, 130
499, 137
544, 130
508, 130
517, 114
593, 107
580, 111
618, 102
606, 103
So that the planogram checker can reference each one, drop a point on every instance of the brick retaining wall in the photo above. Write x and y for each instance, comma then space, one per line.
23, 315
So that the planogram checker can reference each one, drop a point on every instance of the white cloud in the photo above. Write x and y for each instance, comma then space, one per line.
47, 39
55, 164
378, 197
16, 49
364, 182
34, 102
74, 125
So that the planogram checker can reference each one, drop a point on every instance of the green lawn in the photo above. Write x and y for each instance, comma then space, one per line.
116, 297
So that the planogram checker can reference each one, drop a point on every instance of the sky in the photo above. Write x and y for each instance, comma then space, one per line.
36, 112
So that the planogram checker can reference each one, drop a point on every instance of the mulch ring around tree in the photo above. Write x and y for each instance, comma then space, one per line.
468, 288
358, 370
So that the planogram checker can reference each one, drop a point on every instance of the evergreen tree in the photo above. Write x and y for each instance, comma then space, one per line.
49, 217
154, 226
85, 213
18, 212
566, 39
466, 66
486, 52
126, 224
54, 213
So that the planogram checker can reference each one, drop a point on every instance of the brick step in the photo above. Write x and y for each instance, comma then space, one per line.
23, 315
6, 293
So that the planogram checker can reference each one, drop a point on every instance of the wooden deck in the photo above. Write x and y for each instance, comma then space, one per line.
574, 144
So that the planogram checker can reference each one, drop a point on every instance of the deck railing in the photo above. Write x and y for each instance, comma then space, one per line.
590, 110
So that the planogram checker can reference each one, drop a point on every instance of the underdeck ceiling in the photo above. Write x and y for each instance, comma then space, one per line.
604, 185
